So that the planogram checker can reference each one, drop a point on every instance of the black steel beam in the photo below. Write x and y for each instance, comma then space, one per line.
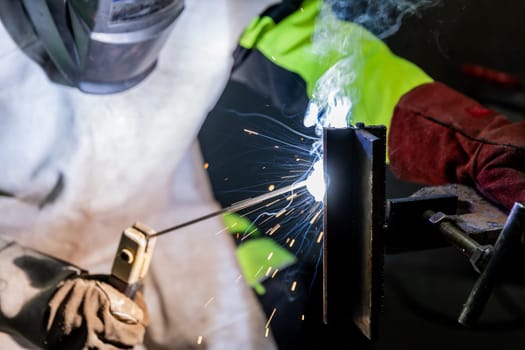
354, 218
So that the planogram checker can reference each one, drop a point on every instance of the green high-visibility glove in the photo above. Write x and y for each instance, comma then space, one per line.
364, 85
349, 73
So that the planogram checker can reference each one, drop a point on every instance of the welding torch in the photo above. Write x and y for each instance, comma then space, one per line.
135, 249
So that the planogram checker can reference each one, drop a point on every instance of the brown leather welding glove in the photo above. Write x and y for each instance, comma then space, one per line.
438, 136
46, 302
91, 314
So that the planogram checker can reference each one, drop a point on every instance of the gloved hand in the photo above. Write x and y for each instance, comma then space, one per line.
55, 305
436, 135
88, 313
440, 136
363, 85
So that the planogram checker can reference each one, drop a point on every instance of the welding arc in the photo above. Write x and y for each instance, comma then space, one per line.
235, 207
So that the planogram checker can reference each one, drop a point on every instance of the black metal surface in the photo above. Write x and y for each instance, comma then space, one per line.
407, 229
353, 226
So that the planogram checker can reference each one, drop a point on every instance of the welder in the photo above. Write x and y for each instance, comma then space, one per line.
97, 129
100, 135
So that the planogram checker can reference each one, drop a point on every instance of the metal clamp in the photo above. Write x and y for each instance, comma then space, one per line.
132, 259
509, 238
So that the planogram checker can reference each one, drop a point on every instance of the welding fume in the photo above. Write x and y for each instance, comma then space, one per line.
120, 118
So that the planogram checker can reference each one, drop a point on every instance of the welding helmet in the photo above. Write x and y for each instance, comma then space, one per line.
98, 46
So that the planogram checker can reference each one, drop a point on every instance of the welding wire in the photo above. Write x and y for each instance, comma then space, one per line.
235, 207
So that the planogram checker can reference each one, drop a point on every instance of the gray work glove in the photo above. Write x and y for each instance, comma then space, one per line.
88, 313
51, 304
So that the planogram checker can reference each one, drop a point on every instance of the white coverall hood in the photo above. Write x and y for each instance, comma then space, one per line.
97, 163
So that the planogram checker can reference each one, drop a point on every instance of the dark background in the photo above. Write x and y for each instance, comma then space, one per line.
425, 291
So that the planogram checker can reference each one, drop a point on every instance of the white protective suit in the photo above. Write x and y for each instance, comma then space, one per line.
130, 157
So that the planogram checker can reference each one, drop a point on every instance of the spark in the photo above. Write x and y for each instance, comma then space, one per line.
280, 213
277, 140
247, 235
270, 318
266, 220
224, 229
199, 340
206, 165
209, 301
316, 216
320, 237
292, 196
302, 317
258, 271
273, 229
268, 271
264, 116
272, 203
289, 218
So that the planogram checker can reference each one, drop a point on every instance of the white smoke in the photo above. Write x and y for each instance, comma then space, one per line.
334, 94
381, 17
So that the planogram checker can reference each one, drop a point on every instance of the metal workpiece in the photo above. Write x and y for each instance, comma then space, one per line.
407, 229
508, 240
467, 218
354, 216
478, 254
458, 217
472, 213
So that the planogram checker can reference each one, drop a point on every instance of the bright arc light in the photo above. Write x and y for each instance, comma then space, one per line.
315, 181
